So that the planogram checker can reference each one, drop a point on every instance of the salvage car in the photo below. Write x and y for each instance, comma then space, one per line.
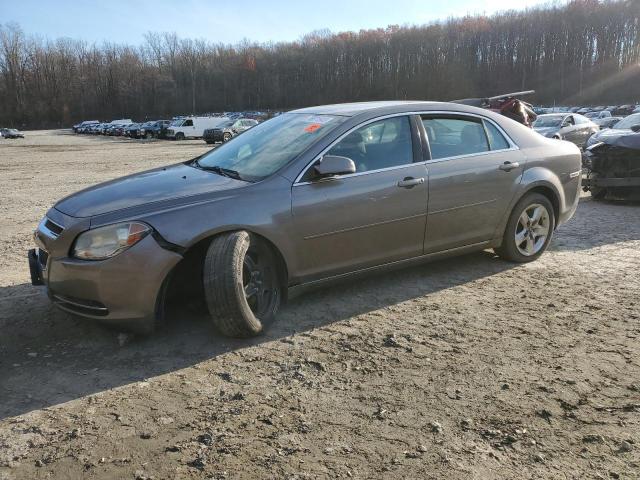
509, 104
227, 130
612, 162
309, 197
572, 127
622, 128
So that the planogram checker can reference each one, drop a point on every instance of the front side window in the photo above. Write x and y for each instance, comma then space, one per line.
452, 137
188, 123
383, 144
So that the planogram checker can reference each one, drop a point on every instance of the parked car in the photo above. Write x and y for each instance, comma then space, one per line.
308, 197
192, 127
11, 133
82, 125
597, 115
572, 127
622, 128
624, 110
612, 164
227, 130
608, 122
157, 129
132, 130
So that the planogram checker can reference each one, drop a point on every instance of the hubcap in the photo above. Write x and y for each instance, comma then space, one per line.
532, 229
257, 283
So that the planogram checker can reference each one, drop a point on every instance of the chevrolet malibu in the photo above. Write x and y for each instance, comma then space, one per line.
311, 196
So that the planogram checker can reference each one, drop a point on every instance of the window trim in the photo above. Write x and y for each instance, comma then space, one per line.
425, 152
298, 180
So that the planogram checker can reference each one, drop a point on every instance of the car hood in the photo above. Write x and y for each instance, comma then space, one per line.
546, 130
152, 186
610, 133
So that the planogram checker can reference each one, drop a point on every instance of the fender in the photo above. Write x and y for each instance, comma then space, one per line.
532, 178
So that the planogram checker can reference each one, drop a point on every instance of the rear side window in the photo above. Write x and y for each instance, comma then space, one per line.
496, 139
451, 137
383, 144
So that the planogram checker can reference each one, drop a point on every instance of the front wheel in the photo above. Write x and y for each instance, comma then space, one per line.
241, 284
179, 136
529, 229
226, 137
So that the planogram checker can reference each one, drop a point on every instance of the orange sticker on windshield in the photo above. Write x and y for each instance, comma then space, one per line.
312, 128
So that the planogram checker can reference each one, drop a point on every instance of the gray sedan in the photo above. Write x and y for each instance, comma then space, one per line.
309, 197
562, 126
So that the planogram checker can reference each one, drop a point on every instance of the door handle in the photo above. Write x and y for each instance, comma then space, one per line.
410, 182
508, 166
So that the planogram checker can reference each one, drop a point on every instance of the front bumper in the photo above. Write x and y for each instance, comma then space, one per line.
214, 135
122, 289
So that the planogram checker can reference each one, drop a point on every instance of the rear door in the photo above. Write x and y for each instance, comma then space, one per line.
374, 216
474, 172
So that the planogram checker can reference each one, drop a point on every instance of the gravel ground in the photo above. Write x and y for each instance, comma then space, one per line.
469, 368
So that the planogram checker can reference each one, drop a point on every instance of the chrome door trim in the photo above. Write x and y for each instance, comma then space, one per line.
357, 174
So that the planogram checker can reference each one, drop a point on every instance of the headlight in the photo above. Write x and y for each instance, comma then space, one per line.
109, 241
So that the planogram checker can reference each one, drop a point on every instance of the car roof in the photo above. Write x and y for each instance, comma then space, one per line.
356, 108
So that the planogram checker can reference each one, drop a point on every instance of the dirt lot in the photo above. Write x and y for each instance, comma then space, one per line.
471, 368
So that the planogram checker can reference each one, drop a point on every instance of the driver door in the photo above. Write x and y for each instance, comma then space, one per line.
374, 216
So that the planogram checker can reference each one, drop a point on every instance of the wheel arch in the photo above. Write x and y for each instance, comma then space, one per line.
186, 275
551, 194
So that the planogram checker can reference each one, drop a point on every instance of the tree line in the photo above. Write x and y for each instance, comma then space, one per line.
583, 52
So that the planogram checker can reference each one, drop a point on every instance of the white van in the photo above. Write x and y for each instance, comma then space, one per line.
192, 127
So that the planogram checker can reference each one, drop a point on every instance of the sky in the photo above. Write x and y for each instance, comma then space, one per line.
121, 21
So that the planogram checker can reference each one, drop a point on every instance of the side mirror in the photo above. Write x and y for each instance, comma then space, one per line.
331, 165
635, 128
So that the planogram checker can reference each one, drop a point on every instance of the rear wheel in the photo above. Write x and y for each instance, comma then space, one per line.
529, 229
241, 284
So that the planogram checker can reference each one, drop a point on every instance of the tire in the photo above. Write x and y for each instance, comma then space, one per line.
236, 264
148, 135
179, 136
209, 142
226, 137
533, 242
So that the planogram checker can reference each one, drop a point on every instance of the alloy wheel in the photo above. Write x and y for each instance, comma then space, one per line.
532, 229
258, 282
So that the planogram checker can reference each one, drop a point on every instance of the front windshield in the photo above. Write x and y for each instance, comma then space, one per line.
627, 122
177, 123
265, 148
226, 124
547, 122
592, 114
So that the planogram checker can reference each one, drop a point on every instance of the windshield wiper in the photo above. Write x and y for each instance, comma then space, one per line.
225, 172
